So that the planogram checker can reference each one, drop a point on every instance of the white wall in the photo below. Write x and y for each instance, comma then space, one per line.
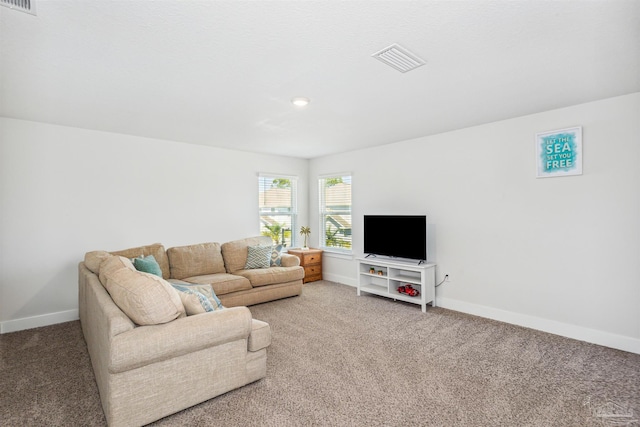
65, 191
556, 254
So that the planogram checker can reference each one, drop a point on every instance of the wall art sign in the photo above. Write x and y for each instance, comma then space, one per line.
559, 152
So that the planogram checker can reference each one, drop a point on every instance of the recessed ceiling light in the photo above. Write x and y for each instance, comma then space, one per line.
300, 101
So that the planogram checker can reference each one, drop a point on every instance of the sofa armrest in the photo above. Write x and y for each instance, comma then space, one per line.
288, 260
149, 344
260, 335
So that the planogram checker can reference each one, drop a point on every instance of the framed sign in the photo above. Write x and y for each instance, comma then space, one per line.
559, 152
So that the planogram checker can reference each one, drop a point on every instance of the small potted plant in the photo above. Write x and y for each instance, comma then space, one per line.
305, 231
372, 270
380, 273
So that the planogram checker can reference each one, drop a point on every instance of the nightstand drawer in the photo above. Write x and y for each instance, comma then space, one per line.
308, 259
313, 270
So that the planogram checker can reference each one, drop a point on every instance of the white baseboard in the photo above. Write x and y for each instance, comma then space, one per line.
593, 336
606, 339
345, 280
38, 321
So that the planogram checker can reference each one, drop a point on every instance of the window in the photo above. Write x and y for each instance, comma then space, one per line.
278, 208
335, 212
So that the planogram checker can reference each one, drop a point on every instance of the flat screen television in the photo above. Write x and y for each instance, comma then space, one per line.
398, 236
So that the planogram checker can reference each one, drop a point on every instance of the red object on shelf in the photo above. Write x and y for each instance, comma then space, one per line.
408, 289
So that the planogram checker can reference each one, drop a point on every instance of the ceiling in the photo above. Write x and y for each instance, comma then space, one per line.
222, 73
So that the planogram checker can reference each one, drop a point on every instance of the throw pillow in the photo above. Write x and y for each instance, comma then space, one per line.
108, 266
92, 260
147, 299
276, 256
205, 290
156, 249
147, 264
258, 257
194, 302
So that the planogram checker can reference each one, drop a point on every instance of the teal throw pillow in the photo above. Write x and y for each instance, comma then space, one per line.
258, 257
276, 256
147, 264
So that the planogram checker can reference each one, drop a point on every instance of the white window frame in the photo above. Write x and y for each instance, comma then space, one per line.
323, 213
264, 212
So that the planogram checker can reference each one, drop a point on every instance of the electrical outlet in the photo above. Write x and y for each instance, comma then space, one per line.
447, 278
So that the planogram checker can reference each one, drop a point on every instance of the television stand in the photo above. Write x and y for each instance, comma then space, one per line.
387, 276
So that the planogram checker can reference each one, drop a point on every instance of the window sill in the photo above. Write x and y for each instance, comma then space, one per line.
332, 253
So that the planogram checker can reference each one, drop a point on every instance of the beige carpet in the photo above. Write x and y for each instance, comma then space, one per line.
338, 359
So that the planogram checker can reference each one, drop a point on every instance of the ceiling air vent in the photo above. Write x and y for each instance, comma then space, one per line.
399, 58
28, 6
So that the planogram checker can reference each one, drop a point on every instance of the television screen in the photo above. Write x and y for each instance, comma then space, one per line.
401, 236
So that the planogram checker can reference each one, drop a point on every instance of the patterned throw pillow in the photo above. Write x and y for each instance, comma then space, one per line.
258, 257
276, 256
194, 302
147, 264
207, 291
197, 298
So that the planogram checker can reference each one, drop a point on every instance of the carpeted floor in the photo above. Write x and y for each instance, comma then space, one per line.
341, 360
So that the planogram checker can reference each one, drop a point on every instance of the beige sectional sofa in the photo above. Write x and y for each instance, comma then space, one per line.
149, 357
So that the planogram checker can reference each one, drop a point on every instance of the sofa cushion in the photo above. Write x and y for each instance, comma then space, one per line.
111, 266
195, 260
235, 252
92, 260
222, 283
258, 257
270, 276
156, 249
145, 298
148, 264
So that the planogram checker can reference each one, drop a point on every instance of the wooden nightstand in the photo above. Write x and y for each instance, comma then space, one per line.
311, 260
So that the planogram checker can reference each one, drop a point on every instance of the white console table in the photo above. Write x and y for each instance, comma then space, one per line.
390, 274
